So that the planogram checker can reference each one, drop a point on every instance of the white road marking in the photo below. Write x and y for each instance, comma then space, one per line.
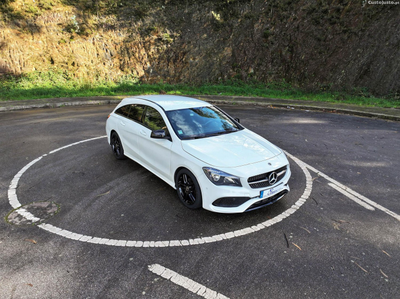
75, 143
185, 282
352, 197
13, 199
354, 193
28, 215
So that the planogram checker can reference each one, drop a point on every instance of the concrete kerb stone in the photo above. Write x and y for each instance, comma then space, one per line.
313, 108
381, 113
58, 105
58, 102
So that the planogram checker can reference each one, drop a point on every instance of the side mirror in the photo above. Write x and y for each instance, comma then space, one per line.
237, 119
159, 134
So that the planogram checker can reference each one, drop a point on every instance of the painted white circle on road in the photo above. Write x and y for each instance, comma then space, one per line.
13, 199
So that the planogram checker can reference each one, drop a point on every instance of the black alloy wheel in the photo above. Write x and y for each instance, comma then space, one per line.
116, 146
188, 189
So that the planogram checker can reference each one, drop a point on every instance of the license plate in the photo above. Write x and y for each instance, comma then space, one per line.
269, 192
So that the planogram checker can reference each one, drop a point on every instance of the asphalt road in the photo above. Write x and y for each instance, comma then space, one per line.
335, 235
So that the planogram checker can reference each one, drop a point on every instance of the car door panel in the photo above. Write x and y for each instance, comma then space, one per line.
154, 152
129, 126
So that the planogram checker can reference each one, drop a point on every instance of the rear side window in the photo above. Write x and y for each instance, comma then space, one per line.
124, 110
133, 112
136, 112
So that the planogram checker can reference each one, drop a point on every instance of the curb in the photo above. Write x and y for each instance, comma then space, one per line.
215, 99
291, 104
314, 108
58, 105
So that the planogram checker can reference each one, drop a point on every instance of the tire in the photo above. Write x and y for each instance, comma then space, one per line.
188, 189
116, 146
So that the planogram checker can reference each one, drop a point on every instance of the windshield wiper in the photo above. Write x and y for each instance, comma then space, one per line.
210, 135
221, 133
195, 137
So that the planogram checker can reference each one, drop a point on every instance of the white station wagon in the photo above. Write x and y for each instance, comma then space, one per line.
207, 156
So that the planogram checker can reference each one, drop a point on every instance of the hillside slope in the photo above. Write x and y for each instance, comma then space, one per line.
313, 44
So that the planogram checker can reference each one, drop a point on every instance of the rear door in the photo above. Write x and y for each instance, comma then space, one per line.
128, 127
154, 153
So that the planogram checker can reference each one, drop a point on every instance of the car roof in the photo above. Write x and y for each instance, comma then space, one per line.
168, 102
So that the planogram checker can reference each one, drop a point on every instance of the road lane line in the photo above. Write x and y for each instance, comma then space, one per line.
76, 143
185, 282
356, 194
353, 198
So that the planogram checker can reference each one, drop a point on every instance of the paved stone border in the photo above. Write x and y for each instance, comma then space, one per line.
22, 216
373, 112
24, 106
310, 107
13, 200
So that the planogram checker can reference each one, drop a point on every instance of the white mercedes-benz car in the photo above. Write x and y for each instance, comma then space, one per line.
207, 156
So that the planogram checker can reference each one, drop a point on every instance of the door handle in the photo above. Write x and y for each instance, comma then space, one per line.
122, 123
143, 133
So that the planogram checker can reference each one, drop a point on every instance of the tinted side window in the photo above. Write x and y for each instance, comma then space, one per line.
124, 110
133, 112
154, 120
136, 112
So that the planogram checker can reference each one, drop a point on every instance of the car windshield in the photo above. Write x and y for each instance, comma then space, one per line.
201, 122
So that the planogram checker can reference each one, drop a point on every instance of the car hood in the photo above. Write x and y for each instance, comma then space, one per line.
231, 150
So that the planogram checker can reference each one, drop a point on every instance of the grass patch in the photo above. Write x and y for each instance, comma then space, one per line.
61, 84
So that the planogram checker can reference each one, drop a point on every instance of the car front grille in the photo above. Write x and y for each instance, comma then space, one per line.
263, 180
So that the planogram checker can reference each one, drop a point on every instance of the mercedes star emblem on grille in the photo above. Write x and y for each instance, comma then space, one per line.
272, 178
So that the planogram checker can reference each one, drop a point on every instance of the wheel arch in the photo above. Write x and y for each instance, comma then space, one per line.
196, 182
177, 170
109, 136
188, 169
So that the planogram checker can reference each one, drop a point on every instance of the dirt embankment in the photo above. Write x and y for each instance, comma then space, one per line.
314, 44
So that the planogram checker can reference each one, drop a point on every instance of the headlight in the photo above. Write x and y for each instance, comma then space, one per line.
221, 178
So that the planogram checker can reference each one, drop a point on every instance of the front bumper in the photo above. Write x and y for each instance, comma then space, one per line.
257, 202
228, 199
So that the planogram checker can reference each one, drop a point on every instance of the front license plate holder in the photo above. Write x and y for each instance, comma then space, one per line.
270, 192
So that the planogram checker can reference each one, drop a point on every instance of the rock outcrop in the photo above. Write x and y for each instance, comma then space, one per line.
313, 44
